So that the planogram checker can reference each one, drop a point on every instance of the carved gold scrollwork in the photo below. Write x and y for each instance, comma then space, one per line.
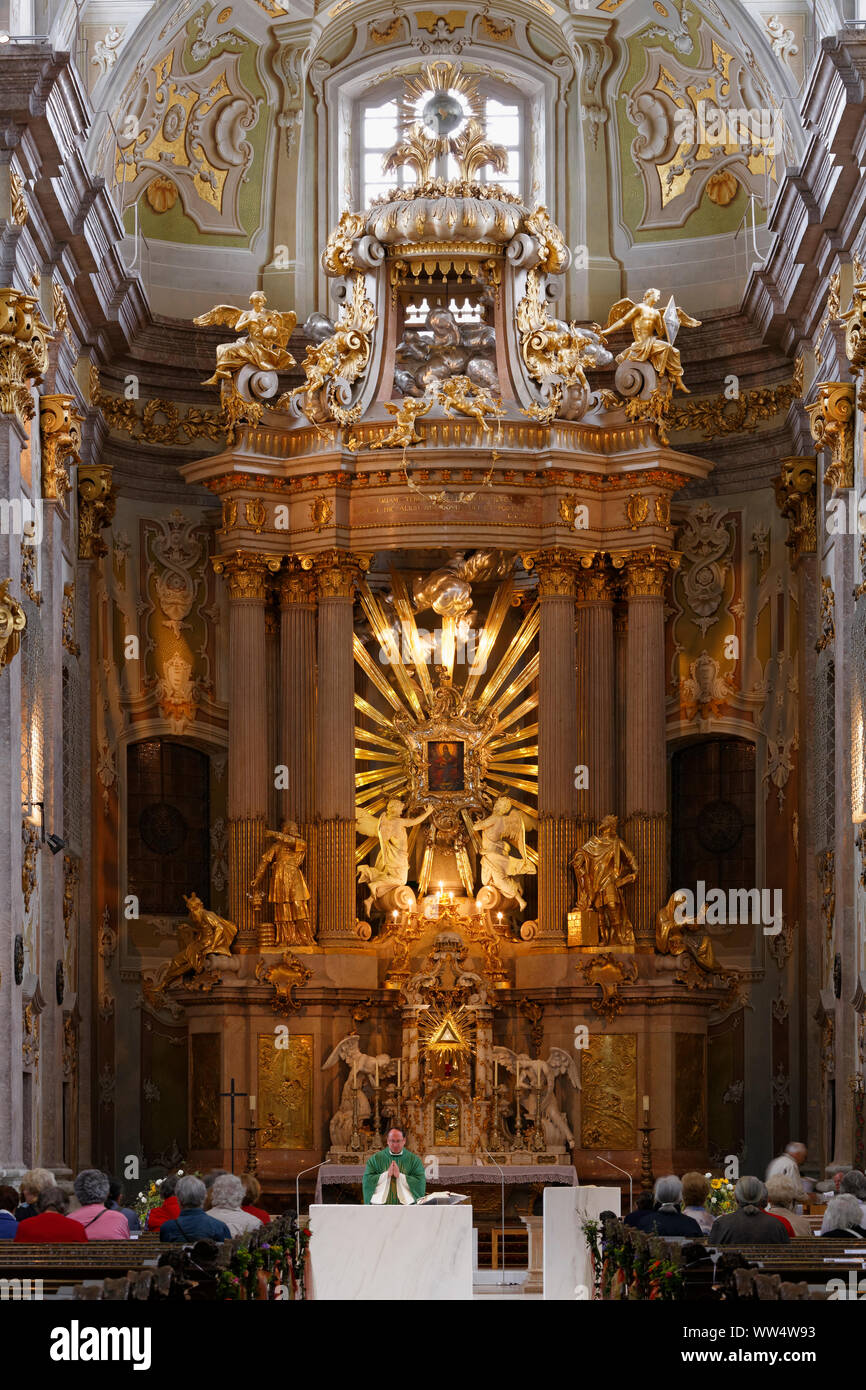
12, 623
95, 508
17, 199
828, 615
23, 352
831, 420
796, 496
556, 570
646, 571
337, 571
60, 427
610, 972
246, 574
286, 975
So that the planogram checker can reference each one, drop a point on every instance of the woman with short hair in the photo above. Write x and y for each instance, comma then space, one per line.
91, 1188
34, 1181
842, 1218
695, 1190
783, 1195
227, 1194
750, 1224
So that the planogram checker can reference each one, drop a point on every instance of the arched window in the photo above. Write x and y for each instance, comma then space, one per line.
168, 815
713, 814
378, 126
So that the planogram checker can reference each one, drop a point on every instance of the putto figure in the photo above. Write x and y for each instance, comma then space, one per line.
652, 335
289, 893
264, 346
602, 867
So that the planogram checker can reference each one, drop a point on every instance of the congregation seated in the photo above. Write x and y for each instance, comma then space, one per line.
750, 1224
51, 1225
854, 1184
695, 1190
32, 1183
8, 1206
99, 1222
114, 1202
645, 1202
193, 1222
252, 1194
209, 1180
227, 1195
666, 1217
169, 1209
832, 1181
842, 1218
783, 1194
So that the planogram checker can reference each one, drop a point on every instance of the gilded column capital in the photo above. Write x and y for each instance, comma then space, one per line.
557, 569
297, 587
831, 420
336, 571
595, 585
855, 328
796, 497
646, 571
95, 508
13, 621
60, 430
23, 352
247, 574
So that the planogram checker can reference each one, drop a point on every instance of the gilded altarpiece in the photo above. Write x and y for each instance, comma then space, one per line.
690, 1069
609, 1092
204, 1062
285, 1092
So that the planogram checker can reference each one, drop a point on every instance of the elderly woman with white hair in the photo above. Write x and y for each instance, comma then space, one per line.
91, 1188
227, 1195
666, 1217
783, 1195
750, 1224
842, 1218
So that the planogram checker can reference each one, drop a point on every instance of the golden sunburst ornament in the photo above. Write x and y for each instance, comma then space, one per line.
443, 113
446, 1034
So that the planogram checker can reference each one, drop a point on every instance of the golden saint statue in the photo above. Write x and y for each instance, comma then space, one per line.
651, 341
264, 346
602, 868
289, 893
676, 936
207, 935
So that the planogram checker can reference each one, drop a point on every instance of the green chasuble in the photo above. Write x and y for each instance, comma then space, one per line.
410, 1166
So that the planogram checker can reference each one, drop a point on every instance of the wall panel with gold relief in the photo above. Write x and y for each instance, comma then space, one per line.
285, 1092
609, 1092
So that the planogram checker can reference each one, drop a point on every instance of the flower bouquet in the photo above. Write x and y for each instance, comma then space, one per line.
720, 1198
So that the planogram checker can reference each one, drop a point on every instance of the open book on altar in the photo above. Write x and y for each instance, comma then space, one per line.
442, 1199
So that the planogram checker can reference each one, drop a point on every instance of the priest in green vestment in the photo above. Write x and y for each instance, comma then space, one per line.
394, 1176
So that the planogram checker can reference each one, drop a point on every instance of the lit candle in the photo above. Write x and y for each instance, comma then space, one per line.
399, 1073
394, 914
377, 1076
451, 897
499, 916
495, 1075
440, 889
646, 1105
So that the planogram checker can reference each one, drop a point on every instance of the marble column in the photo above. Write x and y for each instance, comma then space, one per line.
297, 726
645, 828
596, 710
336, 575
557, 740
249, 775
620, 660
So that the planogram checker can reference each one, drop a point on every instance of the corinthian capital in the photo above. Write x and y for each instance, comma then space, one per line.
831, 420
796, 493
60, 427
556, 569
336, 571
646, 571
96, 504
247, 574
297, 586
23, 352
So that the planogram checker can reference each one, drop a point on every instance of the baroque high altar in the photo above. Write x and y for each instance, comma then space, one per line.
462, 916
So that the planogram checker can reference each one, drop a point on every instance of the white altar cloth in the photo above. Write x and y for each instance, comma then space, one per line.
399, 1253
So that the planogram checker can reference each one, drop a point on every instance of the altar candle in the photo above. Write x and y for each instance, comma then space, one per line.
394, 914
646, 1105
399, 1073
377, 1076
252, 1103
495, 1075
538, 1074
355, 1072
499, 916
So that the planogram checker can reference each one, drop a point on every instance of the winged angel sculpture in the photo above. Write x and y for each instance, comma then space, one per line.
653, 334
247, 367
531, 1075
391, 868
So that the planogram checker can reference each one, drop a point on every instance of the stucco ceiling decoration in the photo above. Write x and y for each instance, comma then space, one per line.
190, 127
698, 124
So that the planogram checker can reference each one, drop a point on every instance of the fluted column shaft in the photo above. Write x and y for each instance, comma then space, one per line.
596, 712
336, 575
297, 746
557, 740
646, 765
248, 772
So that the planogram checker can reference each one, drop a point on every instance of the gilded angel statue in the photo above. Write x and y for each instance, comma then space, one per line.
264, 344
391, 867
653, 334
501, 831
532, 1076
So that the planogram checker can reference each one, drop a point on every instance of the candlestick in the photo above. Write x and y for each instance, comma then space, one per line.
495, 1075
377, 1076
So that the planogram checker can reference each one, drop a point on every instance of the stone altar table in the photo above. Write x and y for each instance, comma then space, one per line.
400, 1253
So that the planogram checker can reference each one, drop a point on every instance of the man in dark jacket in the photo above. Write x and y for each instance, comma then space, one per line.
749, 1224
666, 1218
193, 1223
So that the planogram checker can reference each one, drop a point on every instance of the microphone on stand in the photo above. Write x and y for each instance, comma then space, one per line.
627, 1174
502, 1226
298, 1177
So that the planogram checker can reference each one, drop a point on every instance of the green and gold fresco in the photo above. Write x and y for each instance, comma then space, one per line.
708, 218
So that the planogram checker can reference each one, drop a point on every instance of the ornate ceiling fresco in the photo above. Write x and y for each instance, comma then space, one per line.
238, 127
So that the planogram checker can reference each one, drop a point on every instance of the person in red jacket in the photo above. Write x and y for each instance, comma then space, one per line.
51, 1226
170, 1208
252, 1194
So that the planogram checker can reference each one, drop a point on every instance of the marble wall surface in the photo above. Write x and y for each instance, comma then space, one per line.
398, 1253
